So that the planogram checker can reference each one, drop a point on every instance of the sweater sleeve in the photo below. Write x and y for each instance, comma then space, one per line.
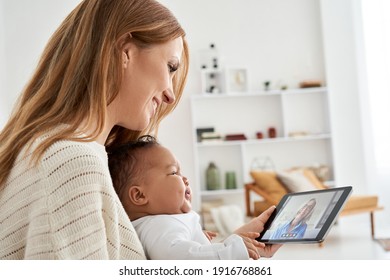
85, 217
168, 238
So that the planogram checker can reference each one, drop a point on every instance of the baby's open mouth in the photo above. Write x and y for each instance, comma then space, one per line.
188, 194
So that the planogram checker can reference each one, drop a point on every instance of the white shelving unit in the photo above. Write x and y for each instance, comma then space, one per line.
302, 112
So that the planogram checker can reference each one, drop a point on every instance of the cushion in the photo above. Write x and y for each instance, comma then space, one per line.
296, 181
227, 218
312, 177
207, 219
268, 182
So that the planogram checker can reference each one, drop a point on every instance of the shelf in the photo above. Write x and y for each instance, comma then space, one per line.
304, 90
264, 141
259, 93
221, 192
288, 111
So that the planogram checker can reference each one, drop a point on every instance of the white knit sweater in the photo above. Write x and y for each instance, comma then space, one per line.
65, 208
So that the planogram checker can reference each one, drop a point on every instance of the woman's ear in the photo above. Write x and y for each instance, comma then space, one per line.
125, 45
125, 57
137, 195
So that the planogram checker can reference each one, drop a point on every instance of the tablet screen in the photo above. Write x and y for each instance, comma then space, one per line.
305, 217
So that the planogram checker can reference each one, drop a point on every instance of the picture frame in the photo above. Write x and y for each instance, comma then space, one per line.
237, 80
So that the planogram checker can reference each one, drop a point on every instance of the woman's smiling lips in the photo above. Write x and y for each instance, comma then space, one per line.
155, 103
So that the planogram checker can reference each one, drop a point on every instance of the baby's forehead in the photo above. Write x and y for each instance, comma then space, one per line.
157, 150
159, 155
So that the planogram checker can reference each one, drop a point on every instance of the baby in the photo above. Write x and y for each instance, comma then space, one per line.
157, 199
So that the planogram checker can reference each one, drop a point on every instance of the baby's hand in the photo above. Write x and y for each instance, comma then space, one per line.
257, 225
210, 234
252, 244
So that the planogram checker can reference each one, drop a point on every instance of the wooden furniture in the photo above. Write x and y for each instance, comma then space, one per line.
371, 210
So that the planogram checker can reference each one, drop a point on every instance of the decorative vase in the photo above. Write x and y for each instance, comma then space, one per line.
213, 178
230, 180
272, 132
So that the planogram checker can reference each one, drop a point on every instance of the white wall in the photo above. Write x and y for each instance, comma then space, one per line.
276, 40
3, 104
339, 31
27, 28
352, 124
374, 61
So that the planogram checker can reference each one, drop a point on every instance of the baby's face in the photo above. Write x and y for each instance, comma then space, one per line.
168, 191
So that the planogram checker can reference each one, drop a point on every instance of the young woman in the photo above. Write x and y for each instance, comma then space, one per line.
110, 72
296, 227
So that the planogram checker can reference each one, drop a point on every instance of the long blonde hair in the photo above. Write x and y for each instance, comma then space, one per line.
79, 74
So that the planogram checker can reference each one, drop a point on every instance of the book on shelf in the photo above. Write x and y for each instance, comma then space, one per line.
210, 136
233, 137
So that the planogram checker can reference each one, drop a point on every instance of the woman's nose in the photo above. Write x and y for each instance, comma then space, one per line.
186, 182
169, 96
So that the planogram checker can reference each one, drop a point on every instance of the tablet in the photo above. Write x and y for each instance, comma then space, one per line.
305, 217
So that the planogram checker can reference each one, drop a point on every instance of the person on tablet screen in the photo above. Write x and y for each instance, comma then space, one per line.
296, 228
157, 198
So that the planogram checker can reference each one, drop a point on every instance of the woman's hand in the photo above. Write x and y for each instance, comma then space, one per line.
257, 225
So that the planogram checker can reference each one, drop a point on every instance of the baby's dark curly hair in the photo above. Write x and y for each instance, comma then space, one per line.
125, 161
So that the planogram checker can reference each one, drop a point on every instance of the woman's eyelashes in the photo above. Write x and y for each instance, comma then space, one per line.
173, 67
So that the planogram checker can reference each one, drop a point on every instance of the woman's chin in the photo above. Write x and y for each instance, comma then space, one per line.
135, 127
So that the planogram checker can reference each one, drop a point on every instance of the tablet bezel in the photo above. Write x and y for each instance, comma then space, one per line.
346, 192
